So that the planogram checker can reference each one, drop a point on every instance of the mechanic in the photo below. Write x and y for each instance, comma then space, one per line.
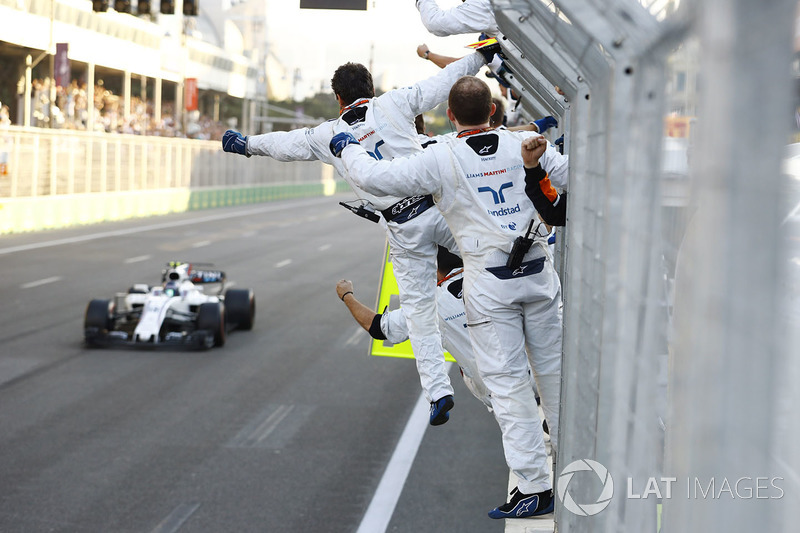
385, 125
511, 295
392, 325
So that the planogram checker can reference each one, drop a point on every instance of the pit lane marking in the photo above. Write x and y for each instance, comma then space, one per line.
137, 259
283, 263
39, 282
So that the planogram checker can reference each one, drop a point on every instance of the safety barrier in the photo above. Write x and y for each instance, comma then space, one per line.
671, 257
54, 178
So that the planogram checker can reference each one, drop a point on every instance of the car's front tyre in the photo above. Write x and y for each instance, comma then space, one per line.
211, 317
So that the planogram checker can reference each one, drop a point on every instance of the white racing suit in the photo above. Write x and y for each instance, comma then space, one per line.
478, 184
471, 16
385, 127
452, 325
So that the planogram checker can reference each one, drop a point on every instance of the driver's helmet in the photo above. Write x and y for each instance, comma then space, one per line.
172, 288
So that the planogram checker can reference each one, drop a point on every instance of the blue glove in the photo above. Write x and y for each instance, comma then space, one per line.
545, 124
560, 143
340, 140
235, 142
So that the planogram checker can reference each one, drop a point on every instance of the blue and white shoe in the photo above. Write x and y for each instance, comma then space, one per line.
525, 505
440, 408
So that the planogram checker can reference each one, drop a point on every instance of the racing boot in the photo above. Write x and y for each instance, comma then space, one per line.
440, 408
524, 505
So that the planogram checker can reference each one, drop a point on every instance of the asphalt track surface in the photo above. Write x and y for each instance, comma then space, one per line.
287, 428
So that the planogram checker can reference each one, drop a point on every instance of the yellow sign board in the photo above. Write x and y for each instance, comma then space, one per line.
389, 300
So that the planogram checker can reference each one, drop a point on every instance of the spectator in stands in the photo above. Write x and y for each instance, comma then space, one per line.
386, 125
512, 296
5, 121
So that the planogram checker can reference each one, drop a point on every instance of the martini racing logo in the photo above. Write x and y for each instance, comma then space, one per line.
589, 467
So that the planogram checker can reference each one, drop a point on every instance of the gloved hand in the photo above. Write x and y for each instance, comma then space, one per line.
488, 51
545, 124
560, 144
234, 142
340, 140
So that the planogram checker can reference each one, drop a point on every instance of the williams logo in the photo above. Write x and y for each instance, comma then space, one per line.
588, 466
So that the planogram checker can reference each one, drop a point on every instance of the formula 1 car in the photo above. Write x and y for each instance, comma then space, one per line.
177, 313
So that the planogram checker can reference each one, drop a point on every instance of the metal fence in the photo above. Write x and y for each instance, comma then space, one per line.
679, 347
42, 162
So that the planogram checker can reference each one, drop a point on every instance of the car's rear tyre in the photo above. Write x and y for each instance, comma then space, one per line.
211, 317
240, 306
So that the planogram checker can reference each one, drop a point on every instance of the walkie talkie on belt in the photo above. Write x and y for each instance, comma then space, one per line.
520, 248
363, 211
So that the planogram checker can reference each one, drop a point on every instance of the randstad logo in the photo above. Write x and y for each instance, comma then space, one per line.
585, 509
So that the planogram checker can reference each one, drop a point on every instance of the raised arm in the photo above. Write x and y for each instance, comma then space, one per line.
427, 94
283, 145
392, 325
471, 16
402, 176
551, 206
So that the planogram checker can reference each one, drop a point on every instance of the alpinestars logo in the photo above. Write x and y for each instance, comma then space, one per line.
585, 509
399, 206
484, 150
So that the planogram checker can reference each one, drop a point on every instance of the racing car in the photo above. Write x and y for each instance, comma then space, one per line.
178, 312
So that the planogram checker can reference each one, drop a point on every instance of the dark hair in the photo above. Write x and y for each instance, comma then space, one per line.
470, 101
496, 120
419, 124
352, 81
447, 261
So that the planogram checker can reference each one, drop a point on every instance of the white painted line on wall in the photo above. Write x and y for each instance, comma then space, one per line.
283, 263
792, 214
137, 259
39, 282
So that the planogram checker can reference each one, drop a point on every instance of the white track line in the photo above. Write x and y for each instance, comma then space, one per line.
137, 259
283, 263
37, 283
381, 508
